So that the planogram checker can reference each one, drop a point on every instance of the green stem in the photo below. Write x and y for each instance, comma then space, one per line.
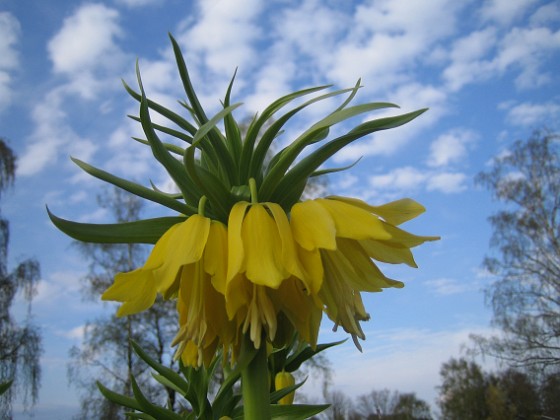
255, 384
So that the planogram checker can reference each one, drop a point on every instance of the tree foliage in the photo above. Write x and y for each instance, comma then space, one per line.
467, 392
377, 404
20, 342
525, 298
106, 353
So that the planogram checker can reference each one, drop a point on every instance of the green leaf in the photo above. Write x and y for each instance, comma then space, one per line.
179, 384
233, 133
334, 170
160, 109
169, 146
273, 131
173, 166
4, 386
119, 399
136, 189
159, 413
297, 359
290, 412
278, 394
219, 197
310, 163
146, 231
310, 136
174, 133
258, 122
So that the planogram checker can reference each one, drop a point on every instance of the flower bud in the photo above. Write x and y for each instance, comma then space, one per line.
284, 380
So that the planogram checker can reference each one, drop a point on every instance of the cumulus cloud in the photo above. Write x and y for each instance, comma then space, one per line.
139, 3
467, 53
85, 50
9, 60
450, 147
222, 35
505, 11
532, 114
411, 179
51, 136
387, 38
86, 40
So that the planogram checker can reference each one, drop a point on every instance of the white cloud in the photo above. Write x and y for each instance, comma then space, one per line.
526, 48
447, 182
450, 147
505, 11
139, 3
410, 179
466, 58
388, 38
546, 13
9, 60
531, 114
86, 40
222, 35
447, 287
51, 136
406, 178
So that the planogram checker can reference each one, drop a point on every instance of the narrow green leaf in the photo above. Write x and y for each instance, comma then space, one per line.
169, 146
179, 384
4, 386
146, 231
233, 134
159, 413
173, 166
276, 395
291, 152
334, 170
297, 359
160, 109
119, 399
220, 199
136, 189
272, 132
174, 133
290, 412
310, 163
258, 122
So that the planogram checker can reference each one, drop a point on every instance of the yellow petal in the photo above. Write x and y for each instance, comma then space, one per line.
388, 253
395, 212
236, 252
137, 289
215, 255
290, 259
185, 246
360, 271
312, 226
353, 222
263, 248
313, 266
403, 238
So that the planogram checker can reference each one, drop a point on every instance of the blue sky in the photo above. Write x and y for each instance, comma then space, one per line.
485, 69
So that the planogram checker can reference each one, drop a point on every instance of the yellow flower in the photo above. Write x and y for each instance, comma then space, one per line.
338, 237
263, 266
189, 262
283, 380
260, 244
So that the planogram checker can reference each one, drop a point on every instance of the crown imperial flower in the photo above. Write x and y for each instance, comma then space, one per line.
247, 256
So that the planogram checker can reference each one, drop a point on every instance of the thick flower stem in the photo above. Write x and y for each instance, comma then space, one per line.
255, 385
